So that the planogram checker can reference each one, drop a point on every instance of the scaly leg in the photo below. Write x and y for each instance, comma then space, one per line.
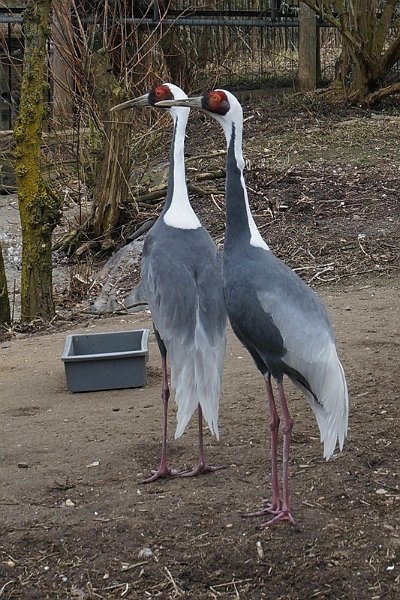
284, 513
274, 426
202, 466
275, 504
163, 470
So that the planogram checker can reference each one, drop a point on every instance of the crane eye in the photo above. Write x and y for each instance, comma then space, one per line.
216, 102
159, 92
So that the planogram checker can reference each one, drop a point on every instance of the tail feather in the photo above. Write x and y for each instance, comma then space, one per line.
196, 375
330, 401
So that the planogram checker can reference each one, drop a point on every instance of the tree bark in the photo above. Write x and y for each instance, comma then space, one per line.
61, 70
39, 208
111, 188
307, 75
5, 315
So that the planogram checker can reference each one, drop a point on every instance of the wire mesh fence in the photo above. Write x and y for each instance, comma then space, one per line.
248, 43
233, 43
11, 53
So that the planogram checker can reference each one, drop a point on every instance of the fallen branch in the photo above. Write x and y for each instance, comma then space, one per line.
211, 154
157, 194
199, 190
6, 136
389, 90
153, 196
7, 189
177, 590
211, 175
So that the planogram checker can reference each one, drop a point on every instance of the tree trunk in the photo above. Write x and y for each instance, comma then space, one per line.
61, 71
307, 75
5, 316
361, 82
371, 46
111, 187
39, 208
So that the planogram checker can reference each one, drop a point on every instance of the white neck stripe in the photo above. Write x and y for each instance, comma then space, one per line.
180, 214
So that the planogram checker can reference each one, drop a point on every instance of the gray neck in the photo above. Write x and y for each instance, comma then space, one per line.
237, 223
171, 178
240, 225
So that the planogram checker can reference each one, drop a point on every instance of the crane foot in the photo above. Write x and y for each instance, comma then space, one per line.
281, 515
200, 470
161, 473
276, 509
270, 508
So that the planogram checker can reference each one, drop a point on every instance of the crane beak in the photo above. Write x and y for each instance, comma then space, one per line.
194, 102
140, 101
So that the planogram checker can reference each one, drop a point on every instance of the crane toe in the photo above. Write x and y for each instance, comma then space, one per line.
161, 473
280, 515
271, 508
201, 469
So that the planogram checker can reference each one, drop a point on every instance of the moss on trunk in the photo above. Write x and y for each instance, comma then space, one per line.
5, 317
39, 208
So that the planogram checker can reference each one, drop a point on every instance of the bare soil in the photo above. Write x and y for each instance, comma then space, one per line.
75, 521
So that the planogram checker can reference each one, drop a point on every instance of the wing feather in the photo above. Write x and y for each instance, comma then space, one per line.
186, 301
310, 348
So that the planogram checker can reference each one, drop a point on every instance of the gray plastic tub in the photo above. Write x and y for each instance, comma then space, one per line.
106, 361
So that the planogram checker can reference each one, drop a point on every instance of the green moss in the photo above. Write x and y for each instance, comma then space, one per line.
39, 208
18, 131
21, 170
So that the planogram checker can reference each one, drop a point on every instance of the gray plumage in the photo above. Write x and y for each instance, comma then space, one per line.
280, 319
276, 315
182, 281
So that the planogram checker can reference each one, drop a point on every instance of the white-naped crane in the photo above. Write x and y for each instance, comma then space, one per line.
181, 274
274, 313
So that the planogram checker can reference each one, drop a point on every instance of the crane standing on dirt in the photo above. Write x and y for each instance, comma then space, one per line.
274, 313
182, 281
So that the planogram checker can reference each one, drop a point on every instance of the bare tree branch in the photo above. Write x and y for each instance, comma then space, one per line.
392, 54
384, 23
368, 52
325, 12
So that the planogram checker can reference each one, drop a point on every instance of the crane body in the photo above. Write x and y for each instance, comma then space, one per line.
275, 314
181, 273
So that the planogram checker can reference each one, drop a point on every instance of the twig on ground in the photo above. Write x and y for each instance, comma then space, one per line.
177, 590
3, 588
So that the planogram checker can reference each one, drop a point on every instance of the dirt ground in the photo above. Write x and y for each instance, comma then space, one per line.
75, 520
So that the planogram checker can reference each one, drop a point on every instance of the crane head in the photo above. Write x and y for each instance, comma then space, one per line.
222, 105
216, 102
163, 92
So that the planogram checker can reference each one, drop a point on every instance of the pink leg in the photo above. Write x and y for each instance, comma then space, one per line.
202, 466
284, 513
274, 426
275, 503
163, 470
